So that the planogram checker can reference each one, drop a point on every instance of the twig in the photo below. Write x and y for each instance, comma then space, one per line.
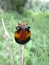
10, 52
21, 54
6, 34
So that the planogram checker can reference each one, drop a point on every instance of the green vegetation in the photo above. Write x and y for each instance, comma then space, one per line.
17, 5
37, 49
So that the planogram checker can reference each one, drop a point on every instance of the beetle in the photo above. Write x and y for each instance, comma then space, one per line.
22, 34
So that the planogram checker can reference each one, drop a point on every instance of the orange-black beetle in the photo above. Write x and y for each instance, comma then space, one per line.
22, 33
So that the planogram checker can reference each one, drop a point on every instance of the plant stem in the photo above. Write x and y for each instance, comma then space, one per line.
10, 52
21, 54
6, 34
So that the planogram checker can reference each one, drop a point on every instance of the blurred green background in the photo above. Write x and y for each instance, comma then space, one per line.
36, 14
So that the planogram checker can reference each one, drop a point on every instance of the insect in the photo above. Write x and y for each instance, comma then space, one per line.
22, 34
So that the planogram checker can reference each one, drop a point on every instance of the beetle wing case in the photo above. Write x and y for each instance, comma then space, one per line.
22, 34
